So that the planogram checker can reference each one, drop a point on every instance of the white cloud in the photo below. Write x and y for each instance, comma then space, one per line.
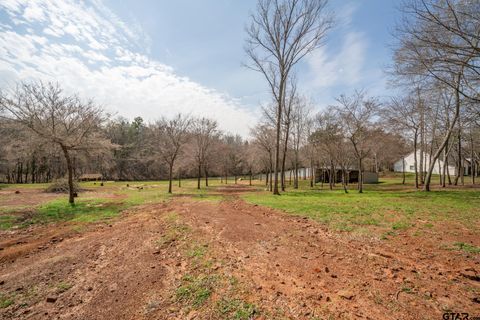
89, 50
344, 67
33, 12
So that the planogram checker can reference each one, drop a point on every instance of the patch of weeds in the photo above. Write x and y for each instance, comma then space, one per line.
197, 251
466, 247
387, 234
235, 309
174, 232
369, 222
407, 290
171, 217
172, 235
233, 281
5, 301
195, 290
78, 229
6, 222
428, 225
63, 286
401, 225
343, 227
418, 233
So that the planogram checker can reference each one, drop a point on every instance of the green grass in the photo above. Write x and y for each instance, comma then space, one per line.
388, 205
469, 248
81, 211
195, 290
63, 286
235, 309
6, 222
5, 301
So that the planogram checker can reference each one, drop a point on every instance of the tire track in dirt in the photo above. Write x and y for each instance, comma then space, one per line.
105, 273
291, 267
298, 266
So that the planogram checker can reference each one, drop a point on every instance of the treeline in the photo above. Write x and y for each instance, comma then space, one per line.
436, 70
46, 134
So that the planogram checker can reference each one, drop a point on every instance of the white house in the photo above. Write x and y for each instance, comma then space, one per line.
410, 164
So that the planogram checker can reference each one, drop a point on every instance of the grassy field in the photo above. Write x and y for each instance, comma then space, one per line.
384, 208
387, 206
95, 202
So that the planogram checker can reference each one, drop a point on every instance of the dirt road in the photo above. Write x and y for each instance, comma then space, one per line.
200, 259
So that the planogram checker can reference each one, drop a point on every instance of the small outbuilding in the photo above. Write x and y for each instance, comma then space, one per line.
352, 176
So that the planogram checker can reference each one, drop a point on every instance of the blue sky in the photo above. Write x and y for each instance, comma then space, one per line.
153, 58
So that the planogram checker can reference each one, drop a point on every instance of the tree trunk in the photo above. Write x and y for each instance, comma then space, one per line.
440, 174
445, 165
250, 182
206, 176
179, 179
344, 180
360, 175
331, 176
472, 159
284, 158
311, 174
199, 175
34, 169
403, 170
71, 198
26, 172
415, 141
170, 177
459, 157
281, 100
447, 137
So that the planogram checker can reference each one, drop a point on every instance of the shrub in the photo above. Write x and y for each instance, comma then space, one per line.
61, 186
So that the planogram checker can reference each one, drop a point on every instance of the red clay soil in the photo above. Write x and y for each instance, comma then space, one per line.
24, 197
291, 267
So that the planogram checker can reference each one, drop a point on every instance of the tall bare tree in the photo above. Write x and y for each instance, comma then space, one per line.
203, 133
356, 113
264, 140
281, 33
170, 135
58, 118
439, 40
403, 114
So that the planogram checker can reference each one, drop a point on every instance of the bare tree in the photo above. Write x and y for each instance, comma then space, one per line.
300, 115
170, 135
264, 140
441, 40
281, 33
327, 136
57, 118
356, 113
203, 133
403, 114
